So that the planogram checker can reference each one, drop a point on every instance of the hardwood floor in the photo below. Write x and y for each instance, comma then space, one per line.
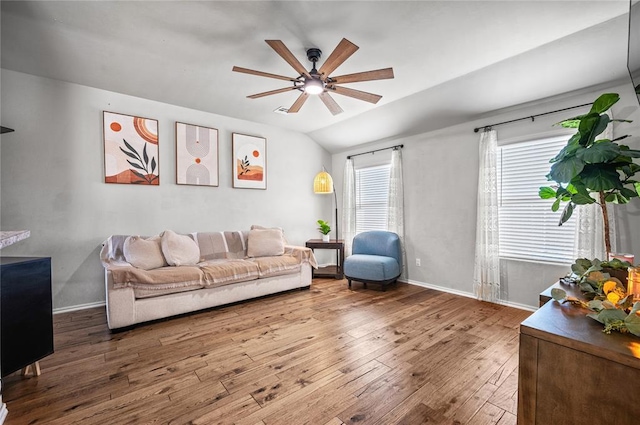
326, 356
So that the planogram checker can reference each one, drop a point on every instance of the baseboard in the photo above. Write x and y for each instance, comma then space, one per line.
466, 294
409, 281
78, 307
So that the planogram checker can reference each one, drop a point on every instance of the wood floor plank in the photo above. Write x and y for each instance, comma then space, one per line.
324, 356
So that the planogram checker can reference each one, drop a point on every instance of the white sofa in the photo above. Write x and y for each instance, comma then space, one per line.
225, 274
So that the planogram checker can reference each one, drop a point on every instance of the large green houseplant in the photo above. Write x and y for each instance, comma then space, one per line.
590, 170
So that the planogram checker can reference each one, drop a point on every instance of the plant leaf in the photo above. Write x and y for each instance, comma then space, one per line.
594, 316
582, 199
142, 176
565, 170
599, 178
633, 323
608, 315
556, 205
569, 149
581, 266
637, 186
135, 165
604, 151
566, 213
604, 102
132, 149
546, 193
129, 154
144, 155
558, 294
632, 153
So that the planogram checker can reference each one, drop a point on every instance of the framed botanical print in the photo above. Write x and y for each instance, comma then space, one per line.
249, 162
196, 155
130, 149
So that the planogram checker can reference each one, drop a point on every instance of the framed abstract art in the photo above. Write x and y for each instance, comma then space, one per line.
249, 162
196, 155
130, 149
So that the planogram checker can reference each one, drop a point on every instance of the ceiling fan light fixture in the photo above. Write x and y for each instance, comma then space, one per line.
313, 85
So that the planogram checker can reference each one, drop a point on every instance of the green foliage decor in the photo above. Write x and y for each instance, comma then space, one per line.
323, 227
588, 165
613, 316
590, 275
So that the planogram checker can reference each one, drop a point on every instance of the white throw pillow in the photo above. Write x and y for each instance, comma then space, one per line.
284, 237
179, 250
143, 253
265, 243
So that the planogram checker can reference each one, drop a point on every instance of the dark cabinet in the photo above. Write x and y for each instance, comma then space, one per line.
26, 322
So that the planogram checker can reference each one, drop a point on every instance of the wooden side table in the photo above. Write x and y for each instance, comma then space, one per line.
337, 272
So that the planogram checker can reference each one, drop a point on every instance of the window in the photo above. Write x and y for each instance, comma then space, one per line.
528, 228
372, 197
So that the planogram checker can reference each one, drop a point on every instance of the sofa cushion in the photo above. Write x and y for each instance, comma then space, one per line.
161, 281
143, 253
278, 265
224, 272
265, 243
179, 250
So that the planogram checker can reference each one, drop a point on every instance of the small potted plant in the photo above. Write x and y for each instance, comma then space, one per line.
325, 229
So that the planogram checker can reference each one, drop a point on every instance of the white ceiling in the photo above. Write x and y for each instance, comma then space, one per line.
452, 60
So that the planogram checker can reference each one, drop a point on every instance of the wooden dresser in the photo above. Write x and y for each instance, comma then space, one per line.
571, 372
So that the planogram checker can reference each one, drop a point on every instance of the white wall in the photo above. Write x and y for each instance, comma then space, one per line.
52, 176
440, 177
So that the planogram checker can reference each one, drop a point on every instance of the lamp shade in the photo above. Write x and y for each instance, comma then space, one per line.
323, 183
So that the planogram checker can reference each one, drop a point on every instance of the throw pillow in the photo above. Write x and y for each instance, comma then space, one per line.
179, 250
143, 253
284, 238
265, 243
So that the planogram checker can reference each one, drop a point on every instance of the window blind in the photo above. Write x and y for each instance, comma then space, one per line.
528, 228
372, 197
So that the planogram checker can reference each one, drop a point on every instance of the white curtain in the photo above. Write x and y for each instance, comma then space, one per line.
395, 215
486, 274
589, 240
349, 206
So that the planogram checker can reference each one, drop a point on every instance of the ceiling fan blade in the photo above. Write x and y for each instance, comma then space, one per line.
340, 54
268, 93
298, 103
286, 54
378, 74
361, 95
330, 103
262, 74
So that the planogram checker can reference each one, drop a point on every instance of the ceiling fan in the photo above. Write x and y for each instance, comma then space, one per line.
318, 81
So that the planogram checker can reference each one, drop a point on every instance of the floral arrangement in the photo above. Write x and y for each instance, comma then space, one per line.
607, 298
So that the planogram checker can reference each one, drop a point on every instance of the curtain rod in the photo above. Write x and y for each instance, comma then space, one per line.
377, 150
532, 117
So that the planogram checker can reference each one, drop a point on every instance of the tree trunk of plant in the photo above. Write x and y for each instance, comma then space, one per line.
605, 222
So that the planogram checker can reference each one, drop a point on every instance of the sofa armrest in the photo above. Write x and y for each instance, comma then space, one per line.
303, 254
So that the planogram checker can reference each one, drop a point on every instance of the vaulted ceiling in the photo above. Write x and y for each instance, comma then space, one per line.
453, 60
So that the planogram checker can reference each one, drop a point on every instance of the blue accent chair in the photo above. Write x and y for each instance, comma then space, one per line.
376, 258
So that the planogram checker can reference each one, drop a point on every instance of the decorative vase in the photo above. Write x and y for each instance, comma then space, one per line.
325, 238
